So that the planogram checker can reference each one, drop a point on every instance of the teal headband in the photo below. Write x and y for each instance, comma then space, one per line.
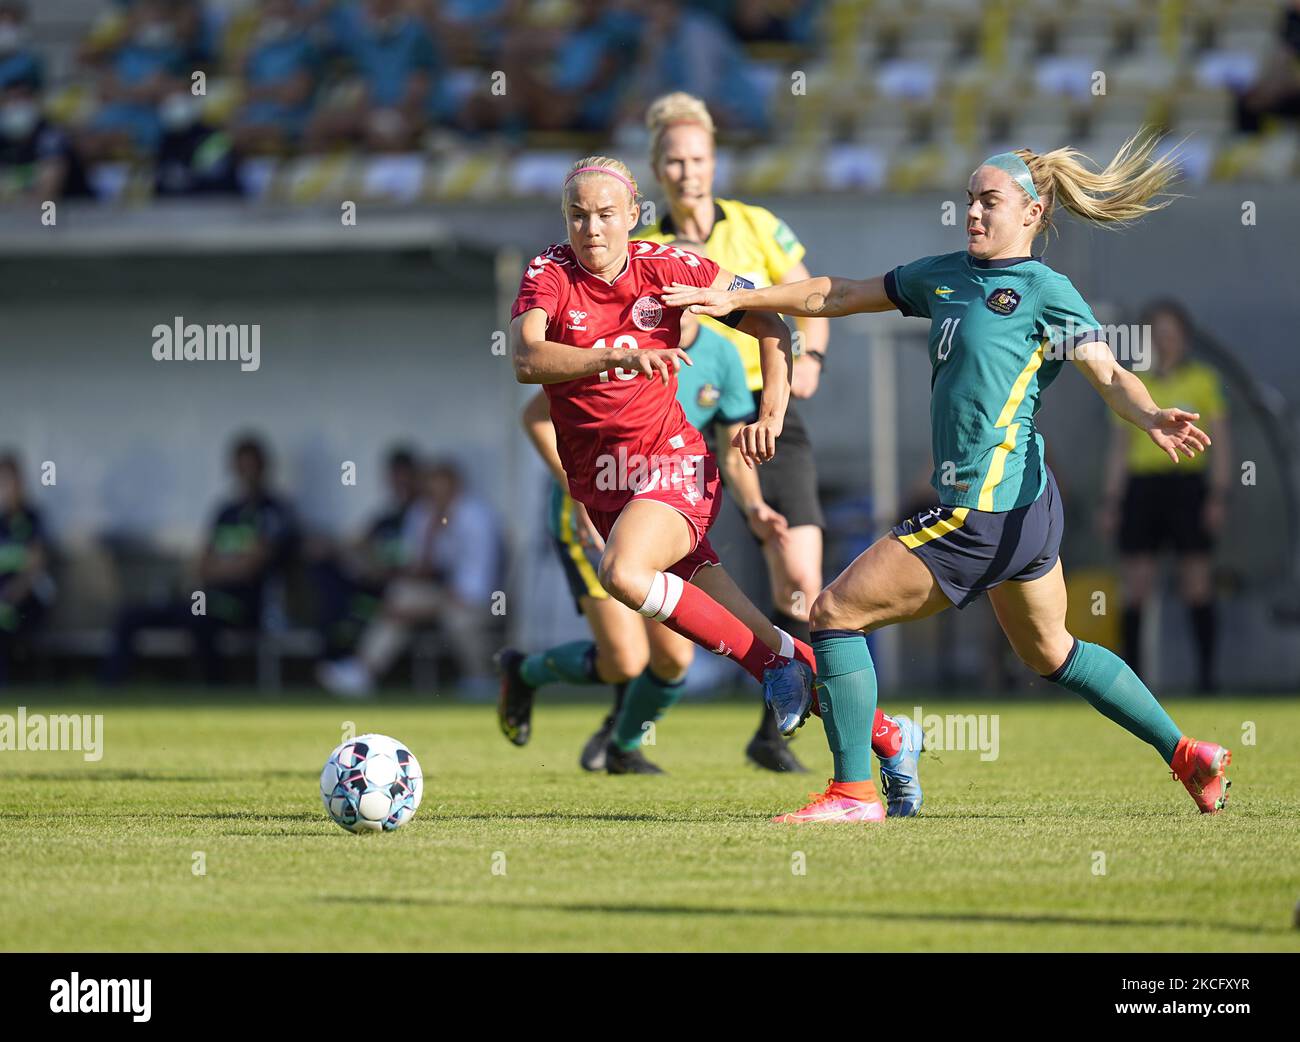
1012, 164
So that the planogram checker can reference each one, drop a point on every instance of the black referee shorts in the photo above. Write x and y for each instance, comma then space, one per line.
1165, 510
789, 479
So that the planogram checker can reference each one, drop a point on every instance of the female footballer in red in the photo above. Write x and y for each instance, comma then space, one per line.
589, 324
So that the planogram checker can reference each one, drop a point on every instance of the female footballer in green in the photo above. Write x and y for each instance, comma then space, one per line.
1002, 324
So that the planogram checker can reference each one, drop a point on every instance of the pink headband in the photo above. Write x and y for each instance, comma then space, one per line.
602, 170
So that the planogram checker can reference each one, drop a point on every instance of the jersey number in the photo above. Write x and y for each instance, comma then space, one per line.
621, 343
946, 334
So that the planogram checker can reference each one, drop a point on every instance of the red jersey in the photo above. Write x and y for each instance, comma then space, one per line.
608, 424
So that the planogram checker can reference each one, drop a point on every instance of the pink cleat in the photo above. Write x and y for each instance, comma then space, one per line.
842, 801
1201, 767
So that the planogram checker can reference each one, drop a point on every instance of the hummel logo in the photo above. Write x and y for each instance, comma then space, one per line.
577, 317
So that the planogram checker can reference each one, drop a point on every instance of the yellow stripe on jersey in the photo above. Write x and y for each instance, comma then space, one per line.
998, 464
1018, 388
934, 531
568, 536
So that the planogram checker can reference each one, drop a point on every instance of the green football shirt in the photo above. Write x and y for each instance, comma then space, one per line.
1000, 331
715, 388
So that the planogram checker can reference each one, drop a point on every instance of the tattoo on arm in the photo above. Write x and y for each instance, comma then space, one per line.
815, 303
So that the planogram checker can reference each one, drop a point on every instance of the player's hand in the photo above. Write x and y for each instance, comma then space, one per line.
766, 523
806, 376
757, 441
588, 537
1174, 431
661, 362
717, 303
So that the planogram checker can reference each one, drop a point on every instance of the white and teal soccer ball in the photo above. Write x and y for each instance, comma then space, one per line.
372, 783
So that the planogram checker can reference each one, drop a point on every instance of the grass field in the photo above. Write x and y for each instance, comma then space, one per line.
101, 856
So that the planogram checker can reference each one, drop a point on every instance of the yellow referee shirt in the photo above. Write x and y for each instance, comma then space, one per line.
1192, 386
748, 241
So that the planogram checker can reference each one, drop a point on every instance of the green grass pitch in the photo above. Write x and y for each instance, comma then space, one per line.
518, 849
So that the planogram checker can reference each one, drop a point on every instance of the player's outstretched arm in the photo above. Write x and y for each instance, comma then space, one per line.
826, 296
541, 361
1173, 430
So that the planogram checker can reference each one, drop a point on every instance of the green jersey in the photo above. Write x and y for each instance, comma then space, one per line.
999, 334
714, 389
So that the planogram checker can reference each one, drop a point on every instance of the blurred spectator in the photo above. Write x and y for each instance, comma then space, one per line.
279, 77
472, 31
141, 69
566, 77
26, 589
1276, 91
453, 550
37, 159
193, 158
1154, 504
18, 62
775, 21
350, 581
398, 63
252, 538
690, 50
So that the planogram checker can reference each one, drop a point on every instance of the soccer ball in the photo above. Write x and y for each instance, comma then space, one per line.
370, 783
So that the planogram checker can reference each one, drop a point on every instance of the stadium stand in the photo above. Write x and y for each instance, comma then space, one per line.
391, 100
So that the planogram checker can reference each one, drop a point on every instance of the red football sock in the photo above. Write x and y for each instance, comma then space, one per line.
886, 739
688, 610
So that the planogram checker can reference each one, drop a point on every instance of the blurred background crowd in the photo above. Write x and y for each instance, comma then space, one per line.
431, 554
437, 99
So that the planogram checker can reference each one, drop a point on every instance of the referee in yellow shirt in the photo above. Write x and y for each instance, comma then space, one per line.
1153, 505
751, 242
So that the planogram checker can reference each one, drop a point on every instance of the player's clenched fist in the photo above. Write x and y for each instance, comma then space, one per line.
652, 362
757, 441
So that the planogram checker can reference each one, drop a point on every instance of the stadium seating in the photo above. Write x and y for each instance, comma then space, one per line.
895, 93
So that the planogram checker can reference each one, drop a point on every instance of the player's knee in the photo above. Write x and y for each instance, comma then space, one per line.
619, 665
829, 612
671, 668
622, 578
1045, 653
671, 665
795, 596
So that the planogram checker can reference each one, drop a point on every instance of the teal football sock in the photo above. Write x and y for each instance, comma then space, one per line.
1115, 691
572, 663
648, 698
846, 689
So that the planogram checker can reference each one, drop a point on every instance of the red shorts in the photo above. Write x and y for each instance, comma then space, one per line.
691, 485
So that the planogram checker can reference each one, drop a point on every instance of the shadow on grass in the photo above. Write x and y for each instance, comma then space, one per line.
892, 915
135, 815
91, 774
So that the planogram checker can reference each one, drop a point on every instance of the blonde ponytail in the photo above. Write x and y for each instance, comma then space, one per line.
1116, 195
